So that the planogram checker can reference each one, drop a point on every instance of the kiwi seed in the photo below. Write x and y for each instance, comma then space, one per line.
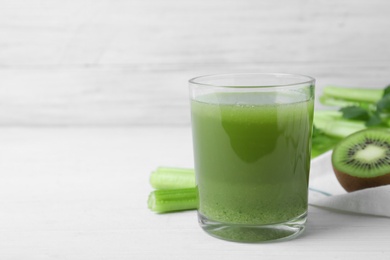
362, 160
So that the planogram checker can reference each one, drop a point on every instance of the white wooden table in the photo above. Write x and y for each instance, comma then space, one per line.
80, 193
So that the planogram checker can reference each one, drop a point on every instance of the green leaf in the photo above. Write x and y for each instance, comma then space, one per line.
374, 120
355, 112
384, 103
386, 91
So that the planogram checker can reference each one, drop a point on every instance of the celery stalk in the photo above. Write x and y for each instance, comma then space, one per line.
334, 102
331, 101
162, 201
333, 124
354, 94
172, 178
341, 129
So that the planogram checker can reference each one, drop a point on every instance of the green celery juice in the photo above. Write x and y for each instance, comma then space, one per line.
252, 156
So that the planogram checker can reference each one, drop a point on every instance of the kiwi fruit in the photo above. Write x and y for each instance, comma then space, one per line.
362, 160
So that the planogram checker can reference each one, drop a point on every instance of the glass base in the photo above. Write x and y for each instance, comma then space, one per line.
254, 233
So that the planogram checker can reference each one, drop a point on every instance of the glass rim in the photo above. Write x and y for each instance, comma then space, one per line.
305, 80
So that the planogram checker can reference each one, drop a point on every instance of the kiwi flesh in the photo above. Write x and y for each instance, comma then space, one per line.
362, 160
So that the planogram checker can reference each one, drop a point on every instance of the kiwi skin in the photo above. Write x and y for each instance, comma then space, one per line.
353, 183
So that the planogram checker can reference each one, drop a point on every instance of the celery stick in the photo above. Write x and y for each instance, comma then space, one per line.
333, 124
331, 101
328, 114
334, 102
339, 128
354, 94
172, 178
162, 201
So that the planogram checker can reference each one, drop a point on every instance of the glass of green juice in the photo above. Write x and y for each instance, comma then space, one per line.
252, 142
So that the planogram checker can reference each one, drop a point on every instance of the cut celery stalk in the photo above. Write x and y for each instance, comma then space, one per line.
172, 178
335, 102
331, 101
333, 124
340, 129
162, 201
354, 94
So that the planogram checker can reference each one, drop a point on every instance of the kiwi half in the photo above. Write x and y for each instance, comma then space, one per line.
362, 160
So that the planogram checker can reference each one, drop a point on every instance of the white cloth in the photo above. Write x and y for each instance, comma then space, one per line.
325, 191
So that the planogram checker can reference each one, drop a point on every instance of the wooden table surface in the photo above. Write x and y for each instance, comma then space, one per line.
80, 193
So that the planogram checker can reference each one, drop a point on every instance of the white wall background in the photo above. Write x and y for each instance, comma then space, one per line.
127, 62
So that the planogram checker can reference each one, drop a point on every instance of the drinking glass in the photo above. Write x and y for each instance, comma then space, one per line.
252, 142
